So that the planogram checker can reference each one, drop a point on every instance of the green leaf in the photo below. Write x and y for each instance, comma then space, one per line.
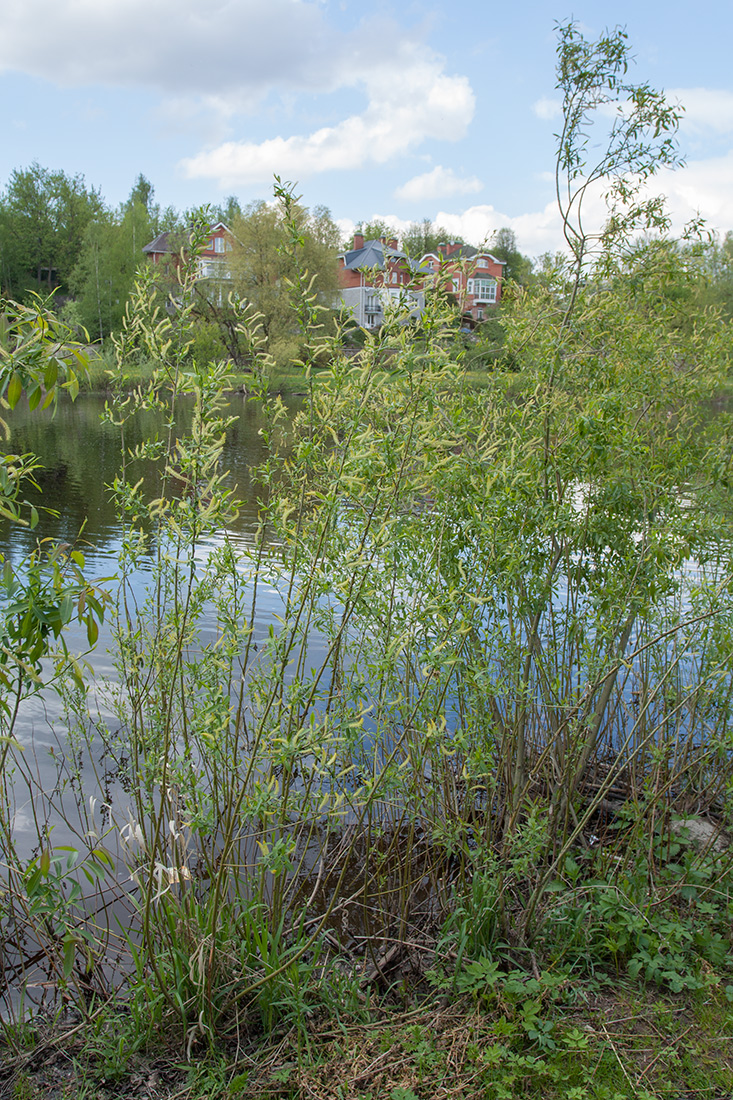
67, 606
15, 389
51, 374
69, 954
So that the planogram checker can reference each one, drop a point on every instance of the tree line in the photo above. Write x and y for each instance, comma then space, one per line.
58, 234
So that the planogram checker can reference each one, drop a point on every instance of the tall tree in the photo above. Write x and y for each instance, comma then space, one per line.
110, 256
425, 236
372, 231
504, 247
142, 192
260, 267
227, 211
43, 218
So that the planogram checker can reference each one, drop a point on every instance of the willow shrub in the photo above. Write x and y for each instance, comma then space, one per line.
502, 613
498, 610
530, 585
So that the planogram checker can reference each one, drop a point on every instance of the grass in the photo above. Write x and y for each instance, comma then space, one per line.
605, 1043
283, 379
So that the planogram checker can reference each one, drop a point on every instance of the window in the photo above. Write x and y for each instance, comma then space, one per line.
218, 244
484, 290
482, 262
212, 269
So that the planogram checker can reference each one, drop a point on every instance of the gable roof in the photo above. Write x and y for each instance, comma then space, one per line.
375, 254
173, 240
162, 243
463, 252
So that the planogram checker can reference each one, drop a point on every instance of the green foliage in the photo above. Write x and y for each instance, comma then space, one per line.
262, 266
38, 598
493, 612
663, 918
43, 218
518, 267
373, 230
425, 236
108, 261
615, 135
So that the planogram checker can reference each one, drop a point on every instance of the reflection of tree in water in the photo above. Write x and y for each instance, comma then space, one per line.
81, 457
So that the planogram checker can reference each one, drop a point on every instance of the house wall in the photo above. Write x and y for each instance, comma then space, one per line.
220, 234
475, 280
461, 277
348, 277
368, 304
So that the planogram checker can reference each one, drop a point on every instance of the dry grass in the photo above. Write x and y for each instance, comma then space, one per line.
635, 1043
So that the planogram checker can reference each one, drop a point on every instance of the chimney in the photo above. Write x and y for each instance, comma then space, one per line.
382, 240
358, 240
392, 242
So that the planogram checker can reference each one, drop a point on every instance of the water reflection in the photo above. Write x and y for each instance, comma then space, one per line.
81, 456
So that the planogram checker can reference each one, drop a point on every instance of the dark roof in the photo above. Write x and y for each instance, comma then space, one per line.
173, 240
162, 243
374, 254
465, 252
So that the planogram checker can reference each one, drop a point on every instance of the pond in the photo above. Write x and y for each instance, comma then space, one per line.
80, 456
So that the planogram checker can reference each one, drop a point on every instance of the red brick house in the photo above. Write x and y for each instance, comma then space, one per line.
374, 274
471, 274
166, 250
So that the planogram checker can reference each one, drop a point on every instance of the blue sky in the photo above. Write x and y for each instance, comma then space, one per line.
435, 109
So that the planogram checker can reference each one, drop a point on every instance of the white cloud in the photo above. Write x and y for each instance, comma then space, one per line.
547, 108
706, 109
439, 184
219, 49
399, 226
407, 104
535, 232
212, 61
704, 187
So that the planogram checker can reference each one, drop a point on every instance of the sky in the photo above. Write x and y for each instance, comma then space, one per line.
443, 109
